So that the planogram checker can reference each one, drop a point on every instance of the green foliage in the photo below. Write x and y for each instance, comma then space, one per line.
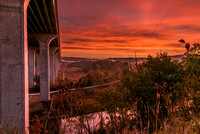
63, 84
36, 87
113, 102
111, 99
85, 82
150, 87
36, 125
160, 91
191, 86
161, 96
102, 65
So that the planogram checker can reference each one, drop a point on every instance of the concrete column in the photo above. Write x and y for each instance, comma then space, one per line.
44, 64
44, 71
37, 57
14, 98
52, 62
57, 63
31, 64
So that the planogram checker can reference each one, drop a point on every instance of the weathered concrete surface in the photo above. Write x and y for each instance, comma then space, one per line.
37, 57
14, 104
31, 64
57, 63
44, 64
52, 62
44, 71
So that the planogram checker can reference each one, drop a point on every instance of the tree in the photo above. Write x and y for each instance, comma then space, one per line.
190, 100
150, 88
113, 102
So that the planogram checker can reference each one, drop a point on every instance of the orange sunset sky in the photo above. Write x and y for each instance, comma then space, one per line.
119, 28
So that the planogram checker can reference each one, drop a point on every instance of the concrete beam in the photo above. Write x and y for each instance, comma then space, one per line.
36, 18
44, 64
47, 14
40, 15
14, 104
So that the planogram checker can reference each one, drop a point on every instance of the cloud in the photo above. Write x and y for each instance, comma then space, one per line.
73, 40
82, 48
123, 26
100, 49
133, 33
124, 50
178, 45
186, 28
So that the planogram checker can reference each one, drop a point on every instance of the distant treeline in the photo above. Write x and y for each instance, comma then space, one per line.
102, 65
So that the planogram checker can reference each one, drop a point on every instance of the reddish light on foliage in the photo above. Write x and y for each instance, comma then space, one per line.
36, 125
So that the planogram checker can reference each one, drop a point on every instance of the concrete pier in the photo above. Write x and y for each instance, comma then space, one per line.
31, 64
37, 57
57, 63
44, 71
14, 107
18, 20
44, 64
52, 62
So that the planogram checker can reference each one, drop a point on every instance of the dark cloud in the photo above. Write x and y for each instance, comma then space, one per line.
120, 50
96, 48
69, 42
122, 45
79, 48
139, 33
73, 40
132, 34
186, 28
104, 49
178, 45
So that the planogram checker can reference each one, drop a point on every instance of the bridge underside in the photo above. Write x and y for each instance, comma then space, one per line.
27, 29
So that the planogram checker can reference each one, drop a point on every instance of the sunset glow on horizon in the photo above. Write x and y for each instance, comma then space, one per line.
119, 28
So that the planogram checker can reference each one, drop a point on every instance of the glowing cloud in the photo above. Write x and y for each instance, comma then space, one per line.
119, 28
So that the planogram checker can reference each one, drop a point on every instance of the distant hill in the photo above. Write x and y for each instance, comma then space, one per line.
76, 67
128, 59
103, 65
178, 57
77, 59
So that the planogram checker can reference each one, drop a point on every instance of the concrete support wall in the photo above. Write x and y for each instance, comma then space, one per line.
31, 64
14, 107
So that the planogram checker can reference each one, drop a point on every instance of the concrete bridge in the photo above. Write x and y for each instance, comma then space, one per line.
29, 45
